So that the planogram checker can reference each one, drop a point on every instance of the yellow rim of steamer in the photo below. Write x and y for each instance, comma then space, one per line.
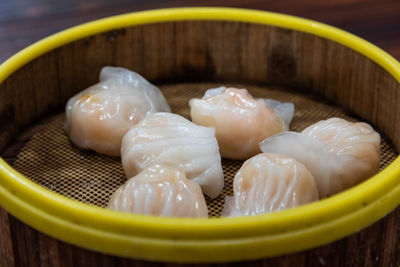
200, 240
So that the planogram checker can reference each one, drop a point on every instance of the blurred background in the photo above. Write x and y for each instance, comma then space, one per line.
23, 22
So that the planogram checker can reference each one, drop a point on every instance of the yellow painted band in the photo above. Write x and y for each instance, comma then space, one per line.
176, 14
200, 240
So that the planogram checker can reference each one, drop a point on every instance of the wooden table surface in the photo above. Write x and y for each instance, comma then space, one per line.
23, 22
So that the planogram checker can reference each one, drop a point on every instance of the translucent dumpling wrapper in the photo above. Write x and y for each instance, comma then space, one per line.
268, 183
241, 121
160, 190
98, 117
167, 138
339, 154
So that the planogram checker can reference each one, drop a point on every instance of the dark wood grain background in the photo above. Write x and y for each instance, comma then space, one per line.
23, 22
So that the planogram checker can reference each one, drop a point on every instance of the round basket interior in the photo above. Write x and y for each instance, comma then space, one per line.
51, 160
184, 58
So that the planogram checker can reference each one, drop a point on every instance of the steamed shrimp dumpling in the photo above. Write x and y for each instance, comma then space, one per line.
166, 138
339, 153
240, 121
98, 117
160, 190
270, 182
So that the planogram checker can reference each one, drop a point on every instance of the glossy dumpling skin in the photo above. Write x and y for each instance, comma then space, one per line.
240, 120
160, 190
98, 117
339, 153
270, 182
171, 139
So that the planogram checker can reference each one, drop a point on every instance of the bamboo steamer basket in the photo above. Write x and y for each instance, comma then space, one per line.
185, 50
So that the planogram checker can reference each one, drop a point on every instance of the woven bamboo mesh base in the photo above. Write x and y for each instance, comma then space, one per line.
50, 159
